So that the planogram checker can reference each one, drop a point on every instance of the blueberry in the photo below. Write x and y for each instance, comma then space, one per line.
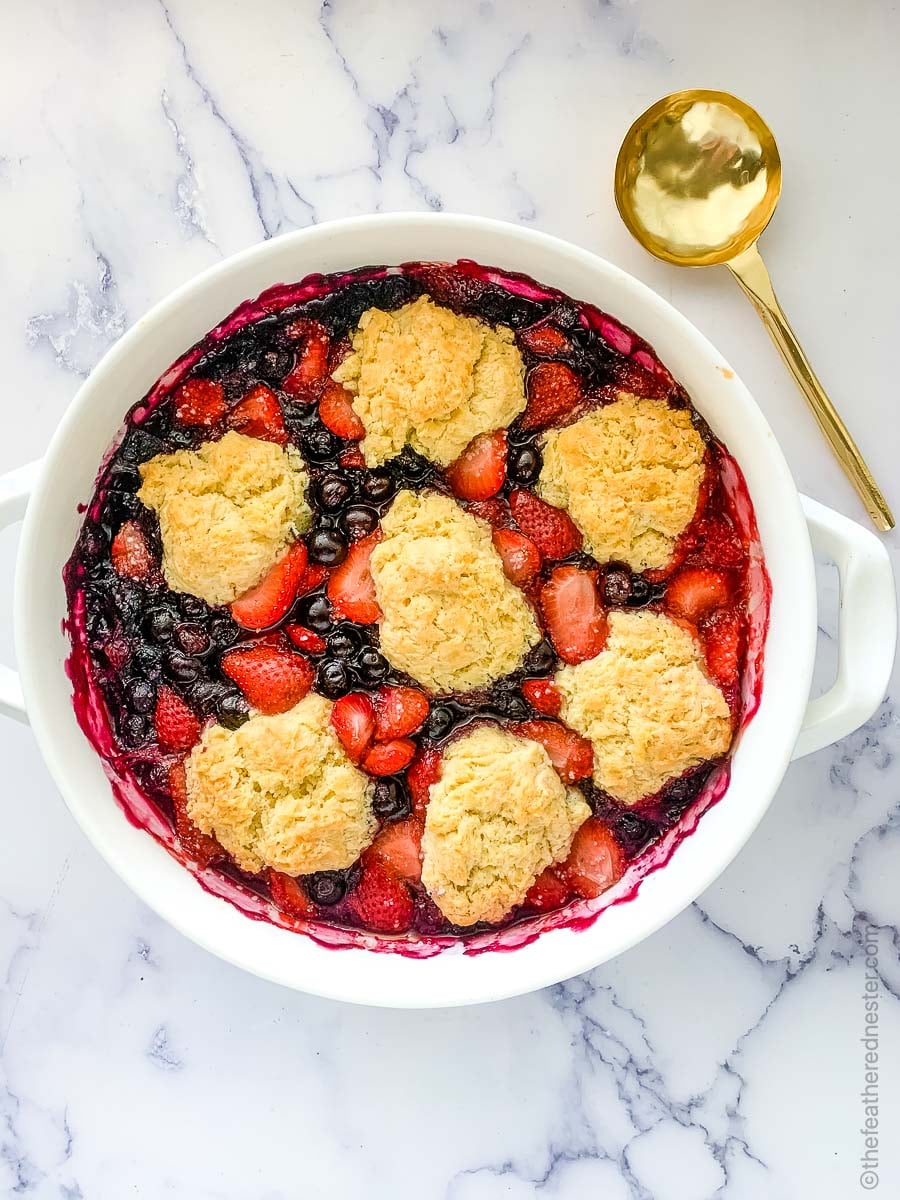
223, 630
181, 667
315, 613
333, 491
333, 679
159, 623
147, 659
140, 445
327, 547
128, 597
134, 729
524, 464
678, 794
232, 710
193, 608
616, 586
371, 666
205, 694
358, 521
512, 706
341, 644
193, 639
274, 364
377, 485
641, 592
123, 476
326, 887
140, 695
413, 467
154, 776
540, 659
633, 831
565, 314
439, 722
93, 541
390, 800
318, 445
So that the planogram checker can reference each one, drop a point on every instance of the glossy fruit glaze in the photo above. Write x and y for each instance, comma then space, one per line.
151, 667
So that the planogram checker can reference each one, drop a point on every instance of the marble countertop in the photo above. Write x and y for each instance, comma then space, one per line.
722, 1058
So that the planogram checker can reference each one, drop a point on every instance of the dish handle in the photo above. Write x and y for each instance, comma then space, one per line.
15, 488
867, 634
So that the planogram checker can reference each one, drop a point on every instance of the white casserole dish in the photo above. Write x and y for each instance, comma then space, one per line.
785, 726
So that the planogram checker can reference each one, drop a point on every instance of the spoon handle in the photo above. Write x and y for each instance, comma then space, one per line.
750, 271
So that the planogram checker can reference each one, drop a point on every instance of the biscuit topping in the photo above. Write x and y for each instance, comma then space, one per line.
646, 704
227, 512
425, 376
280, 792
451, 618
499, 815
629, 475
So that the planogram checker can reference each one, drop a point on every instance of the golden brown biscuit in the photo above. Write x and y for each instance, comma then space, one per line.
281, 792
646, 705
426, 376
629, 475
498, 815
451, 618
227, 512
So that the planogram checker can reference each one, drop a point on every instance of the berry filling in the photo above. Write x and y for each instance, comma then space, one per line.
153, 667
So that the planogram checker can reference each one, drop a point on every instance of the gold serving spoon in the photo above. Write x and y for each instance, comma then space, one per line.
697, 180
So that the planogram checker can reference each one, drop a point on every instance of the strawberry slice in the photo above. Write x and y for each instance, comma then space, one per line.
381, 901
314, 574
177, 729
353, 720
720, 545
272, 678
258, 415
307, 378
495, 511
551, 530
554, 391
305, 639
547, 892
387, 758
202, 848
595, 861
289, 895
398, 848
639, 381
266, 604
336, 412
543, 695
697, 591
199, 402
521, 560
424, 770
351, 588
570, 753
545, 339
352, 457
399, 711
722, 641
130, 553
480, 470
573, 614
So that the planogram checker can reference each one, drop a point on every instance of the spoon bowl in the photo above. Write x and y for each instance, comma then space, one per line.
697, 180
698, 177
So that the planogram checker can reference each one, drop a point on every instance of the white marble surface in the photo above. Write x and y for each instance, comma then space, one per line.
141, 142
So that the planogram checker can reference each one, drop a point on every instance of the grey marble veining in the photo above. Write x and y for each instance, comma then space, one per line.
719, 1059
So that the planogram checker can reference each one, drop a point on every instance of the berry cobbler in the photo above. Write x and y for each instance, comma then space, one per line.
417, 604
